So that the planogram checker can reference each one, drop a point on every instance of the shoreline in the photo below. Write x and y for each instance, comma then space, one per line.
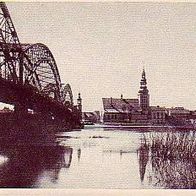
120, 126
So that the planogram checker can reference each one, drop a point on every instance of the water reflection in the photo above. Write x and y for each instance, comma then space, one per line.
143, 154
98, 158
26, 163
79, 154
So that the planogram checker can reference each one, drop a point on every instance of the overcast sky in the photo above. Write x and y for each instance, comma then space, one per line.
101, 48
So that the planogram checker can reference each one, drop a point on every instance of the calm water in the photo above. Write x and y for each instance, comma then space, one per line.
91, 158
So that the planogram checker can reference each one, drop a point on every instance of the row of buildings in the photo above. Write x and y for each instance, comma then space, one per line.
134, 111
139, 111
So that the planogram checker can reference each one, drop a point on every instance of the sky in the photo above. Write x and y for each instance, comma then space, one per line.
101, 48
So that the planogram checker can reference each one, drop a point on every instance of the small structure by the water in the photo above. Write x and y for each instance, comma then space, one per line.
91, 117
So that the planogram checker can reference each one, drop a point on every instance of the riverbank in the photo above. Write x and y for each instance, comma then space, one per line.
147, 126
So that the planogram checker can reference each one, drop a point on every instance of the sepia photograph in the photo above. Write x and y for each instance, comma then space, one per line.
98, 95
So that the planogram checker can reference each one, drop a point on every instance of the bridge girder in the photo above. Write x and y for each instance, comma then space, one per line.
29, 64
30, 73
40, 70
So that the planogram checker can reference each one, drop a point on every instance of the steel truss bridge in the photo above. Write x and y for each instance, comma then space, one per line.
29, 77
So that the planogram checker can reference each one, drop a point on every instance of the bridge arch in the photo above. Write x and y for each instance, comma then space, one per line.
40, 70
67, 95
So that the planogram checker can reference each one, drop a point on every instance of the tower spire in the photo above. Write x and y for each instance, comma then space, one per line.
143, 73
143, 92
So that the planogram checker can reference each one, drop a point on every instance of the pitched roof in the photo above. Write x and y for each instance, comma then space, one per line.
120, 105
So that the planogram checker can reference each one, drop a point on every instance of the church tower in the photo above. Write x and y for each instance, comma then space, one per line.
143, 93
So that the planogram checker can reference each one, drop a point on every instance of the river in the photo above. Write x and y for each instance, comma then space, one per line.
97, 158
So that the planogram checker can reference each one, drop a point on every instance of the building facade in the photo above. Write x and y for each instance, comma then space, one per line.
121, 110
158, 115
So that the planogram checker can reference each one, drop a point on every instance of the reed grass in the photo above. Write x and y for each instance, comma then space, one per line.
173, 159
